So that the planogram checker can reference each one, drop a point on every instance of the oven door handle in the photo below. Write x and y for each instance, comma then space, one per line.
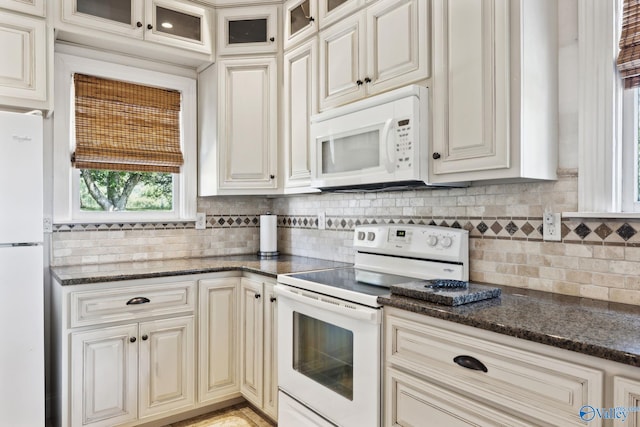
357, 312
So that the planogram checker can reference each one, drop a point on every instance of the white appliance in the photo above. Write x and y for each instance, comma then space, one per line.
378, 142
329, 322
21, 271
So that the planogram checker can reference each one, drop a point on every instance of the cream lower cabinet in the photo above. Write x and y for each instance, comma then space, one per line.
494, 90
218, 340
124, 353
460, 375
258, 346
626, 394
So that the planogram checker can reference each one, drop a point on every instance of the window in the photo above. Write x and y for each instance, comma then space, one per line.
124, 143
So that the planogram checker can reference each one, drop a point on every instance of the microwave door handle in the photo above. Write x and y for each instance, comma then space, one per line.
390, 163
332, 149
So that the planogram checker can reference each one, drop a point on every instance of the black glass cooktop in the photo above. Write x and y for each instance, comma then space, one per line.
354, 279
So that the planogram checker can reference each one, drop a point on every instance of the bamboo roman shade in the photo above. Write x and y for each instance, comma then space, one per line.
629, 56
125, 126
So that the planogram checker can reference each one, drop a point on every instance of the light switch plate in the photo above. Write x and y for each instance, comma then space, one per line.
201, 220
322, 221
551, 227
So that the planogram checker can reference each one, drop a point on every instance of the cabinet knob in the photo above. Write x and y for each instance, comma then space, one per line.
149, 27
367, 80
272, 39
359, 82
145, 337
138, 24
272, 176
436, 156
311, 19
132, 339
257, 296
273, 299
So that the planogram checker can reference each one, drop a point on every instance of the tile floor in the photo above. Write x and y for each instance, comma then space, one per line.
235, 416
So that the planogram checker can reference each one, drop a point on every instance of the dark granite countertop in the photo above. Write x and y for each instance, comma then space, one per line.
96, 273
596, 328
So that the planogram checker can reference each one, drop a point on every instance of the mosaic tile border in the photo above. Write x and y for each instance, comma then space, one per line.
610, 232
594, 232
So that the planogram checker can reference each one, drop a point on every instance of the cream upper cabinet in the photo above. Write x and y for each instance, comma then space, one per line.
383, 47
247, 30
26, 56
300, 21
32, 7
180, 25
300, 102
247, 123
218, 342
494, 90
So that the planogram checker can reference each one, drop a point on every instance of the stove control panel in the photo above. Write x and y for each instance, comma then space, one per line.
417, 241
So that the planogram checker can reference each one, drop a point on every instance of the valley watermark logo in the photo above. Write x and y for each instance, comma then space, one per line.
589, 413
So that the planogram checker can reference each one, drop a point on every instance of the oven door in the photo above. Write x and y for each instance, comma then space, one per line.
329, 356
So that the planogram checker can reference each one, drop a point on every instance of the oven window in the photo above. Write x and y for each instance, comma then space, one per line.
324, 353
351, 153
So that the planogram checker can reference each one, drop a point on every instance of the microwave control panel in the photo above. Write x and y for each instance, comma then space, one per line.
404, 144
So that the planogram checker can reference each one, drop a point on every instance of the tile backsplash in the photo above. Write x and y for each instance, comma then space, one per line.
596, 258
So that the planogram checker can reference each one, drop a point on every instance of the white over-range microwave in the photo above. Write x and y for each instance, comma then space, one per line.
379, 142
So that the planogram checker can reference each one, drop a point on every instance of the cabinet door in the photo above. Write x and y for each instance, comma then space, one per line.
471, 87
32, 7
177, 24
409, 402
218, 343
397, 44
23, 68
247, 123
300, 21
104, 376
270, 400
117, 16
300, 102
244, 30
251, 341
342, 62
626, 394
167, 365
331, 11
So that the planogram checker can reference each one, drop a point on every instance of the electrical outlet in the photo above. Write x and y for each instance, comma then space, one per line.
201, 220
322, 221
551, 227
47, 224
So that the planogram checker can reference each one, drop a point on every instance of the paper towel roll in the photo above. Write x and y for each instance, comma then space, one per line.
268, 234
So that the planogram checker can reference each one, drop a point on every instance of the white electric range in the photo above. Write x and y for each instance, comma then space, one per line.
329, 322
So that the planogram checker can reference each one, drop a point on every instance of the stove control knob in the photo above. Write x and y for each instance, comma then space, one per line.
360, 235
371, 236
432, 241
446, 242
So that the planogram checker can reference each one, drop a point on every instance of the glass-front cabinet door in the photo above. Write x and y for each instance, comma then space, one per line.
247, 30
118, 16
177, 24
330, 11
300, 21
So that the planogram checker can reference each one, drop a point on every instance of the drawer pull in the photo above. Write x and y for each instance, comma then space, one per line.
470, 362
138, 300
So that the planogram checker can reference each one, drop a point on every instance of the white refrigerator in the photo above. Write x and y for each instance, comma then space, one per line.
22, 389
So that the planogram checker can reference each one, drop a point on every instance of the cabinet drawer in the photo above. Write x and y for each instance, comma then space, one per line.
132, 302
411, 401
547, 389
